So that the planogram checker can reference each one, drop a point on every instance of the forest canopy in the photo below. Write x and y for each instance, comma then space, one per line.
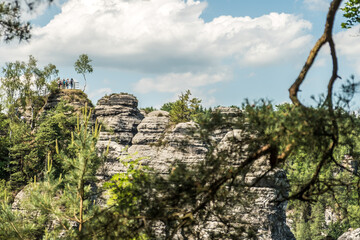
53, 156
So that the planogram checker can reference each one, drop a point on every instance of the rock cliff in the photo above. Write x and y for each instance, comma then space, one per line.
119, 116
163, 145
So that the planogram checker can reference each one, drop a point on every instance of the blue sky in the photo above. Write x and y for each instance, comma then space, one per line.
223, 51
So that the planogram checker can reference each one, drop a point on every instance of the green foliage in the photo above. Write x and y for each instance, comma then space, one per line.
55, 126
25, 152
24, 85
129, 192
4, 192
53, 87
352, 13
167, 106
148, 109
82, 66
80, 169
11, 26
12, 225
12, 85
4, 144
334, 190
184, 109
337, 229
66, 201
24, 162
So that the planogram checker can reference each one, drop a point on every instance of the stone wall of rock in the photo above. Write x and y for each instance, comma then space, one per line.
163, 145
119, 116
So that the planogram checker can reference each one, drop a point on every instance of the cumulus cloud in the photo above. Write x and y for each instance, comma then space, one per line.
161, 36
347, 45
38, 8
177, 82
99, 92
317, 5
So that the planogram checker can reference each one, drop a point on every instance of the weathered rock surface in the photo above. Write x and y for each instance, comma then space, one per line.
168, 145
119, 116
165, 145
265, 211
73, 97
351, 235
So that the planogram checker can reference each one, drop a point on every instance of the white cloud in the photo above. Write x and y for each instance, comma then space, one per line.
317, 5
177, 82
206, 96
38, 8
98, 93
161, 36
347, 45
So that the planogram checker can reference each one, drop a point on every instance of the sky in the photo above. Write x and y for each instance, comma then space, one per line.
223, 51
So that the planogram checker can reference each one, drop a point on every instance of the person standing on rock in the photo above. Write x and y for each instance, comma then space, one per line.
64, 82
67, 83
71, 83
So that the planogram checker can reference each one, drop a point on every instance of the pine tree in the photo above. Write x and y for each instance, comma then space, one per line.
66, 202
184, 109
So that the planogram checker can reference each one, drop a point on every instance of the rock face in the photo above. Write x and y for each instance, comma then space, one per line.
73, 97
351, 235
119, 116
268, 191
164, 145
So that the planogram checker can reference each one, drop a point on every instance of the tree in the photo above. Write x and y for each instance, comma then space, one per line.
24, 85
11, 84
55, 127
293, 134
11, 25
184, 109
4, 145
45, 77
66, 200
82, 66
352, 13
309, 141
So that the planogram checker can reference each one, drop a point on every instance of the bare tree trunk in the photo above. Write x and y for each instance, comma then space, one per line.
85, 82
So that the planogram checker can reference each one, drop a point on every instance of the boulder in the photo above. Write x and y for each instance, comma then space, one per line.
351, 235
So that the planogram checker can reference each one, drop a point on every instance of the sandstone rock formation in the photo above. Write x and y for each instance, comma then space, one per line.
351, 235
73, 97
164, 144
119, 116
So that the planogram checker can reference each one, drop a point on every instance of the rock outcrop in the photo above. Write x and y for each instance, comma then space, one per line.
164, 145
351, 235
73, 97
119, 116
